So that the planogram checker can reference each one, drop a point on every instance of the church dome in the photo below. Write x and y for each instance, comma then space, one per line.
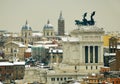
48, 25
26, 27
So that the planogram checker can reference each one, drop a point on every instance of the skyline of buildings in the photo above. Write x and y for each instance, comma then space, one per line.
38, 12
69, 47
80, 53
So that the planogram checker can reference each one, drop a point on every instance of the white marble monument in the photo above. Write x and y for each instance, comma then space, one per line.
83, 50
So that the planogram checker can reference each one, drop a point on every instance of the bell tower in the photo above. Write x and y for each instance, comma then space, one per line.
61, 25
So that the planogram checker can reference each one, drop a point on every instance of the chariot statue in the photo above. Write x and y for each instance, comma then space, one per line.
86, 22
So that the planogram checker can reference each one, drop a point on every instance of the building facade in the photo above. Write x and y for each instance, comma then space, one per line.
115, 62
26, 34
14, 50
11, 71
56, 55
83, 51
113, 44
48, 30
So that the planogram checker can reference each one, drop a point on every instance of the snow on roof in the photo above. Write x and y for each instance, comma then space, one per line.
13, 35
11, 64
118, 46
76, 82
66, 33
1, 83
30, 45
112, 60
37, 34
48, 26
37, 45
6, 64
109, 54
43, 42
93, 74
46, 45
56, 50
28, 50
70, 39
51, 45
6, 35
105, 67
19, 63
19, 44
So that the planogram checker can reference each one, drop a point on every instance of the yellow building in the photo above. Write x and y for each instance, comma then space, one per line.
106, 40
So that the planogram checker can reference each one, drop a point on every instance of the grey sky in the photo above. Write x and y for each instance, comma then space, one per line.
13, 13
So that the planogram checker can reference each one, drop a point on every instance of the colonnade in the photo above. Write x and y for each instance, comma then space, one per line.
92, 54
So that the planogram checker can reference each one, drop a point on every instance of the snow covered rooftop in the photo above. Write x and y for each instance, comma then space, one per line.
19, 44
6, 64
9, 34
112, 60
28, 50
19, 63
56, 50
109, 54
38, 34
70, 39
118, 46
43, 42
11, 64
6, 35
46, 45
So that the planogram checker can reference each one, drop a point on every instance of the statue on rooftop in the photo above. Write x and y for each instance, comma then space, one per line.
84, 21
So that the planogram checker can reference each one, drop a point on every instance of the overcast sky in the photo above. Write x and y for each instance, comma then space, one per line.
14, 13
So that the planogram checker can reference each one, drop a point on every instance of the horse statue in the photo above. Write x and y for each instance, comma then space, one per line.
84, 21
92, 22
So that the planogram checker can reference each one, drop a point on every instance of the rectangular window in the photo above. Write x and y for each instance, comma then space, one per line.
65, 79
91, 67
91, 54
57, 79
52, 79
61, 79
96, 54
86, 67
11, 50
47, 34
86, 54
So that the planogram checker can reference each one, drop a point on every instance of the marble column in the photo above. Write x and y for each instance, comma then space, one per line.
99, 54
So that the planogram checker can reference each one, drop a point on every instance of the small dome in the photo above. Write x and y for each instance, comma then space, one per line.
48, 25
26, 27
